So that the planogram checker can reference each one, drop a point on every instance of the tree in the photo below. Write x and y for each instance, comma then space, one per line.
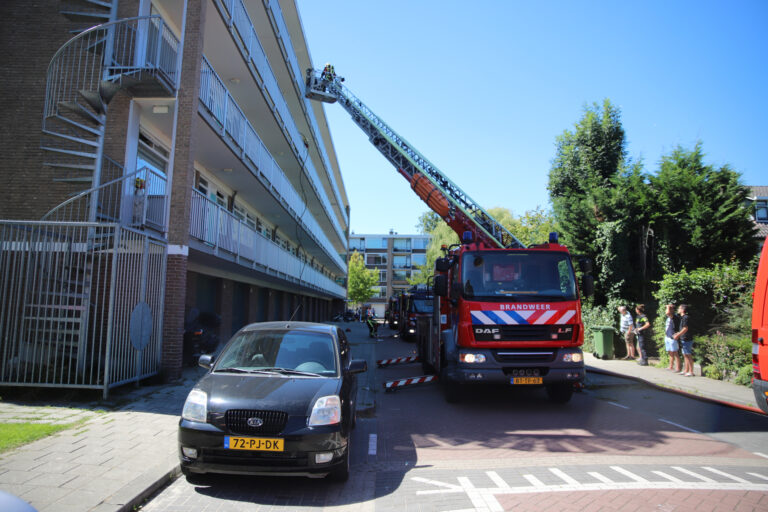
428, 221
361, 279
702, 217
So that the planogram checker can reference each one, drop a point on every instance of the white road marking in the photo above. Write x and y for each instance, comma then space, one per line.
695, 475
534, 481
628, 474
619, 405
598, 476
567, 478
668, 477
482, 501
500, 482
758, 475
761, 455
437, 483
680, 426
372, 443
726, 475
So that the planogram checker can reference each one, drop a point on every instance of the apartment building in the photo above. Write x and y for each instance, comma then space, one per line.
161, 158
395, 257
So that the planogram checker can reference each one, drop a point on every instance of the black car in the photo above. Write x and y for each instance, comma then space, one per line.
279, 399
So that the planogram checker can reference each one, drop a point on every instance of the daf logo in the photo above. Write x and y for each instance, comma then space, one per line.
255, 422
486, 331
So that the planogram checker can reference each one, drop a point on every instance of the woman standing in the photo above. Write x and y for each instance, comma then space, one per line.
641, 330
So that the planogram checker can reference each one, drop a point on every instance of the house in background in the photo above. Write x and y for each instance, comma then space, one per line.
758, 196
159, 157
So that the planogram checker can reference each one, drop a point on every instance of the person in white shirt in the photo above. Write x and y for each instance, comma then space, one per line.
627, 330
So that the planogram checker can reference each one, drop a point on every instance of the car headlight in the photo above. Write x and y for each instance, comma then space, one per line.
196, 406
471, 358
326, 411
573, 357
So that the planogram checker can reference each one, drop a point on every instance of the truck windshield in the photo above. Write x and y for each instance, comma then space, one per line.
422, 306
519, 275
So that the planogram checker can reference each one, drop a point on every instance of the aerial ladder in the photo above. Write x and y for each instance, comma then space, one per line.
443, 196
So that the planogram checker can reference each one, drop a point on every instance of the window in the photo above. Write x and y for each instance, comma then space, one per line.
400, 275
402, 245
375, 243
761, 210
382, 276
401, 262
419, 259
420, 243
380, 292
356, 244
375, 259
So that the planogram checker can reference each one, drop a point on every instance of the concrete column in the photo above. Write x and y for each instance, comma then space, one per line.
226, 294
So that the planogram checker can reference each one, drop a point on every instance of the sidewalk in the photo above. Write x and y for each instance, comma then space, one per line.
701, 387
116, 457
122, 450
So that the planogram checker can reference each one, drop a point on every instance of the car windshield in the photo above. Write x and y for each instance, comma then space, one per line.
281, 351
422, 306
518, 275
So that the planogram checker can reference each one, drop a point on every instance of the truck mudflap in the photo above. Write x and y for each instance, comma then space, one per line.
760, 388
516, 373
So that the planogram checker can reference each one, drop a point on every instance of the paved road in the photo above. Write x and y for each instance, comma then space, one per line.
619, 445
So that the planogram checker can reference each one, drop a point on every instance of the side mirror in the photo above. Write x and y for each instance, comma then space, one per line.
206, 361
456, 290
585, 265
587, 286
442, 264
440, 286
358, 366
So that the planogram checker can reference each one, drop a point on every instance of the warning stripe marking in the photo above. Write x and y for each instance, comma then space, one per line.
397, 360
409, 382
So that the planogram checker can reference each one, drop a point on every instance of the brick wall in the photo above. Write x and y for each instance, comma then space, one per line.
226, 294
173, 320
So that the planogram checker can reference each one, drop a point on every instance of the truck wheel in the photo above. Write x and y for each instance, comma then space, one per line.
560, 393
451, 390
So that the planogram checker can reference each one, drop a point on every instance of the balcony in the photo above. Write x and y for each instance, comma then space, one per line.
236, 17
227, 119
227, 236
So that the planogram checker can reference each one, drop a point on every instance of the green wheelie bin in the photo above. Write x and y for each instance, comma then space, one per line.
603, 338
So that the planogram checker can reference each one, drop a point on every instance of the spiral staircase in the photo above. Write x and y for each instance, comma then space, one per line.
69, 256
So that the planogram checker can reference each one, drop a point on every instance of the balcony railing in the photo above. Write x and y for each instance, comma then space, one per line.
222, 231
233, 122
237, 17
284, 37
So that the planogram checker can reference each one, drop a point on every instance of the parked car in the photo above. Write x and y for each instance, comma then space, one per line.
279, 399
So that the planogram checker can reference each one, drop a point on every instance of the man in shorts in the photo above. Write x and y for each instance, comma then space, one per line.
685, 338
626, 331
670, 343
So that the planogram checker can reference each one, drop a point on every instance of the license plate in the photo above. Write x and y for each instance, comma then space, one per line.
253, 443
527, 380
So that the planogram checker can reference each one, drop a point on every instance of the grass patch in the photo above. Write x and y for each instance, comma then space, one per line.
13, 435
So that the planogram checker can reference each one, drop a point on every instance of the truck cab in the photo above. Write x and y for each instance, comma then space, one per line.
760, 332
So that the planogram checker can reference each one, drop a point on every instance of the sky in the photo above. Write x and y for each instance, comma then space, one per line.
483, 89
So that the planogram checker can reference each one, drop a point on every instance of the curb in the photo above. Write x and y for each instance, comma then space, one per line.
150, 489
677, 391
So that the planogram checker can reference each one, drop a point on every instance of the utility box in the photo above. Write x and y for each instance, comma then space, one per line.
603, 338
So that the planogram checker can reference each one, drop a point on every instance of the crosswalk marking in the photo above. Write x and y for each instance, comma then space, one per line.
598, 476
726, 475
567, 478
500, 482
694, 475
534, 481
668, 477
628, 474
758, 475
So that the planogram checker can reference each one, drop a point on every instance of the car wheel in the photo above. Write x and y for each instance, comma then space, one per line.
341, 472
560, 393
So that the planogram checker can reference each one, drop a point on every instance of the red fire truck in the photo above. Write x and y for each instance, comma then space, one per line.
760, 332
503, 312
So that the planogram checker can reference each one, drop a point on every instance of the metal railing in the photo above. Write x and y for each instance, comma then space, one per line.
137, 199
284, 36
218, 228
69, 290
219, 102
109, 53
237, 16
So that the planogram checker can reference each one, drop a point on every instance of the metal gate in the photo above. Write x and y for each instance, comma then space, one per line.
81, 304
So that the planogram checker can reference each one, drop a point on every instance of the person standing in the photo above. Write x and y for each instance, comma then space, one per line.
685, 338
627, 332
641, 330
670, 342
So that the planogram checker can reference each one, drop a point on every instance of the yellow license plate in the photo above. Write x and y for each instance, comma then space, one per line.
253, 443
527, 380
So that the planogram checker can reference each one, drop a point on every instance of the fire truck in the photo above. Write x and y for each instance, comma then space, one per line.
760, 332
416, 302
502, 312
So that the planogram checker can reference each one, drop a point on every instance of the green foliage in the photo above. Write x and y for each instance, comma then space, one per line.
361, 279
17, 434
744, 376
712, 372
428, 221
599, 315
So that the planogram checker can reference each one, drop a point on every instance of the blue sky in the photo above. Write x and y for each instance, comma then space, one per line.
483, 88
